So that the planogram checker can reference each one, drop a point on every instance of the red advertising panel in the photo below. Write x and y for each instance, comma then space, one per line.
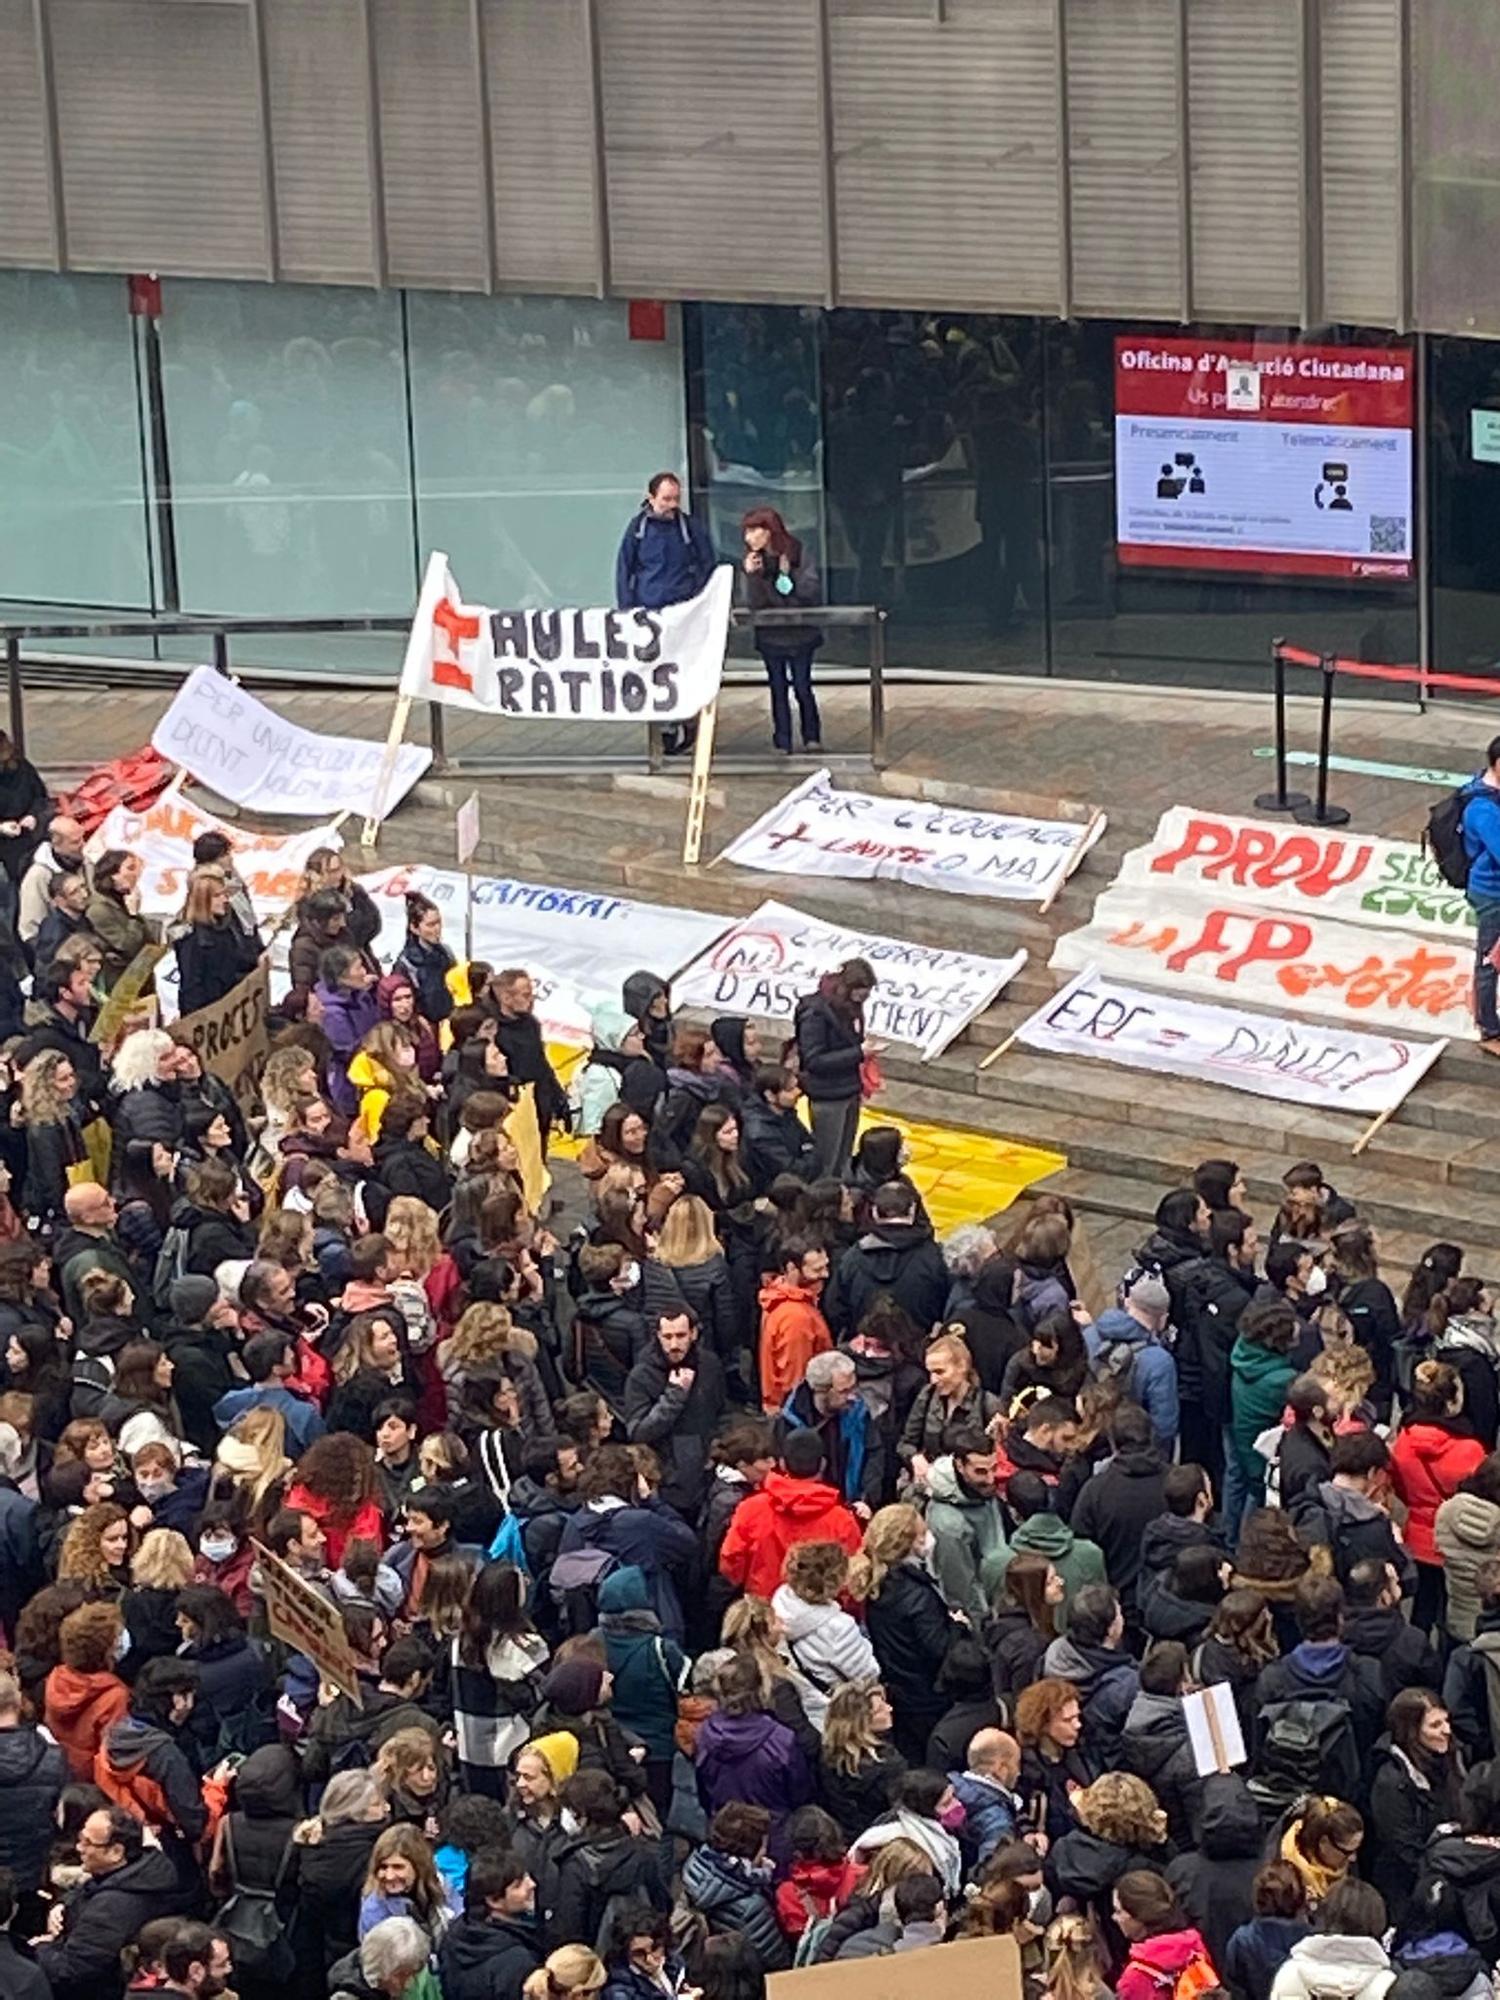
1292, 461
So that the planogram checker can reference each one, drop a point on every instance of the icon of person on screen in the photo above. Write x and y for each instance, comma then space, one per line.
1168, 487
1197, 484
1341, 503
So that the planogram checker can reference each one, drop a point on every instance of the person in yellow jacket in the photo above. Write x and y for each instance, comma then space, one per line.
384, 1067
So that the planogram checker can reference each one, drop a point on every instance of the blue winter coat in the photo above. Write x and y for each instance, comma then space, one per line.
1152, 1375
649, 1535
662, 560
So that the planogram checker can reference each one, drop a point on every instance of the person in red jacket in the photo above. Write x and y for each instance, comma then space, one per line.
1432, 1454
334, 1481
794, 1505
792, 1329
1166, 1954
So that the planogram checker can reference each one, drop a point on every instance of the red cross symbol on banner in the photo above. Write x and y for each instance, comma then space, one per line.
449, 626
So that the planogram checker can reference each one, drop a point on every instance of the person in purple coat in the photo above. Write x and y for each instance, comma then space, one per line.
743, 1753
346, 994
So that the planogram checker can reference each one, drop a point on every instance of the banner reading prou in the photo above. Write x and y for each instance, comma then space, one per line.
596, 665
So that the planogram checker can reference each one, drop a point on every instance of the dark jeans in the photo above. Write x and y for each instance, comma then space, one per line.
795, 668
1487, 917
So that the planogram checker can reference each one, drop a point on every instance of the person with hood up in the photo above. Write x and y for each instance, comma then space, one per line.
141, 1764
674, 1399
1154, 1741
829, 1027
1163, 1944
729, 1882
743, 1753
910, 1625
1349, 1513
1320, 1667
773, 1139
618, 1071
897, 1256
1344, 1956
986, 1789
1124, 1497
1214, 1879
346, 993
1466, 1534
1261, 1371
649, 1673
1038, 1531
1119, 1827
493, 1948
1434, 1958
792, 1328
795, 1504
1090, 1655
1414, 1791
1128, 1344
824, 1644
397, 998
125, 1885
967, 1524
966, 1680
1262, 1944
620, 1517
33, 1771
738, 1042
647, 999
1184, 1601
1432, 1454
265, 1804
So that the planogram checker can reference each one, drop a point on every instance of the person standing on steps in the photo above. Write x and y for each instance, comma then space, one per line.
829, 1025
665, 557
778, 575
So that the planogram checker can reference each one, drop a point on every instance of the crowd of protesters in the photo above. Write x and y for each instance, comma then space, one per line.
741, 1581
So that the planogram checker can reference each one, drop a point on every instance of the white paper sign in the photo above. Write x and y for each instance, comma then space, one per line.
765, 963
1182, 940
245, 752
819, 830
599, 665
1217, 1701
1387, 883
466, 829
1297, 1062
162, 834
578, 945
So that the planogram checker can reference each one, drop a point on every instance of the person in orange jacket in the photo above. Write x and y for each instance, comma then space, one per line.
792, 1329
792, 1506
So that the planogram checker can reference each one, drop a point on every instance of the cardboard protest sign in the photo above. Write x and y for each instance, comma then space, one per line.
1381, 884
130, 997
1296, 1062
305, 1620
597, 665
229, 1038
990, 1967
1213, 1724
244, 751
818, 829
765, 963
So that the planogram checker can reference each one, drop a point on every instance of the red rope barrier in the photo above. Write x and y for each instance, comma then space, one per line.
1366, 670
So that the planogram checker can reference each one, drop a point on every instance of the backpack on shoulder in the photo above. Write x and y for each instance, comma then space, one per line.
1443, 838
258, 1939
1189, 1982
171, 1264
574, 1587
1308, 1746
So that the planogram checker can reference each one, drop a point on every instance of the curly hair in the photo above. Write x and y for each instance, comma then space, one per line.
87, 1638
1269, 1551
1121, 1809
339, 1468
411, 1230
82, 1558
816, 1571
1038, 1707
892, 1535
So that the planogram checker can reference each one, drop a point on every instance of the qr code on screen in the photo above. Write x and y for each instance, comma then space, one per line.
1387, 534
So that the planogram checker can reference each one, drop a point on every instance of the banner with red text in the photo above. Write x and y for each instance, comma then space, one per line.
1297, 1062
1248, 455
1391, 884
162, 834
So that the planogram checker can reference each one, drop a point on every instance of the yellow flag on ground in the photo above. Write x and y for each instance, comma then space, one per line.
964, 1176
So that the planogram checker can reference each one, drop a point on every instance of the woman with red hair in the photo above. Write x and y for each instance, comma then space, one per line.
778, 575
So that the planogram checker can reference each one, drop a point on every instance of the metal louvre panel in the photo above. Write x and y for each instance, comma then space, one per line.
318, 78
431, 144
1125, 157
542, 145
713, 148
27, 235
1245, 151
1455, 166
1363, 202
946, 158
160, 137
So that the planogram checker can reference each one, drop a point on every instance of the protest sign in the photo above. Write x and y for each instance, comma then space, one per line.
466, 830
1213, 1726
162, 834
229, 1038
579, 945
244, 751
1229, 949
1296, 1062
308, 1622
819, 830
990, 1966
129, 997
765, 963
598, 665
1383, 884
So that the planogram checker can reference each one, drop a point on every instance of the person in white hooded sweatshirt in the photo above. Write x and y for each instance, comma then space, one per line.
1344, 1958
824, 1645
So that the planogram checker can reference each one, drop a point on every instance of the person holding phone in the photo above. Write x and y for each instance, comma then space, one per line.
778, 575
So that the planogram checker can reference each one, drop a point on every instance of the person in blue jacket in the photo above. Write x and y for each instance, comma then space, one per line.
665, 557
1481, 831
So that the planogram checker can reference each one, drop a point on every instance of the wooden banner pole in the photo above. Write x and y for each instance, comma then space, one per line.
1375, 1125
1004, 1049
1075, 861
703, 757
400, 716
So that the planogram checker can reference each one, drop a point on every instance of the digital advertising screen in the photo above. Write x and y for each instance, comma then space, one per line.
1289, 461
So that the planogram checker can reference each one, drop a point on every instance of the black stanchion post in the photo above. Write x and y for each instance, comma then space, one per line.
1322, 813
13, 690
1281, 800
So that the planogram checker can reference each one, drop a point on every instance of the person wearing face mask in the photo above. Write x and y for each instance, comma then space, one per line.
225, 1556
924, 1809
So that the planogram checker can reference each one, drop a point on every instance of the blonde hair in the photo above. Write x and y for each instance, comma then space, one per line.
138, 1058
849, 1733
41, 1101
889, 1539
572, 1968
1347, 1373
483, 1333
407, 1751
1074, 1966
1122, 1809
746, 1627
262, 1431
687, 1235
411, 1232
163, 1561
281, 1079
957, 1349
892, 1864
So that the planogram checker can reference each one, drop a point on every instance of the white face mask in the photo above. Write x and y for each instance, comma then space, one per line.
1317, 1282
217, 1548
630, 1276
122, 1645
570, 1821
152, 1490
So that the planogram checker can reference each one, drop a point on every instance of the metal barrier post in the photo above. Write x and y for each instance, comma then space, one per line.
877, 692
221, 653
13, 684
436, 735
1281, 800
1322, 813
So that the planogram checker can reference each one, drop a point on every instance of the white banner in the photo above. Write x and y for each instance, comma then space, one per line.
598, 665
242, 750
1389, 883
578, 945
1295, 1061
765, 963
1226, 948
818, 830
162, 834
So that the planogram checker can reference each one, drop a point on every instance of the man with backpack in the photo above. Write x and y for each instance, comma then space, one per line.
1348, 1514
1129, 1343
1463, 837
271, 1362
1319, 1710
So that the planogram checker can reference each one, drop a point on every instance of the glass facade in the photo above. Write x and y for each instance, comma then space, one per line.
958, 469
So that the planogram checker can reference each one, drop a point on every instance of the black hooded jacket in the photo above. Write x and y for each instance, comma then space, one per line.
1214, 1882
899, 1259
991, 1330
33, 1772
267, 1804
484, 1959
